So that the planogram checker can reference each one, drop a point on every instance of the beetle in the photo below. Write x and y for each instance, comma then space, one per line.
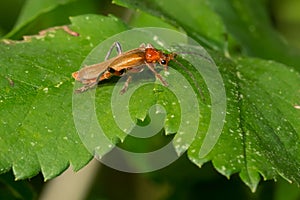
132, 61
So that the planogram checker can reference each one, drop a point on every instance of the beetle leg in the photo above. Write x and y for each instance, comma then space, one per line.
166, 68
86, 87
125, 87
136, 69
116, 45
151, 67
104, 75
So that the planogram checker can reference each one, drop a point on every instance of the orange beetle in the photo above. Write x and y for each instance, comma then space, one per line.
132, 61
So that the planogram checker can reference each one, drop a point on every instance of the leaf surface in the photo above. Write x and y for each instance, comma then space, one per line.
37, 131
261, 135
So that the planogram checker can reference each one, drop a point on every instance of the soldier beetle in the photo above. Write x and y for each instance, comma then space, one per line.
132, 61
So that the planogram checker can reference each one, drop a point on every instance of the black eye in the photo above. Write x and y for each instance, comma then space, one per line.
163, 62
122, 71
111, 70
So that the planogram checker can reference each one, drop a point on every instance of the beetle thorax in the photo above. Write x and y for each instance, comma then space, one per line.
152, 55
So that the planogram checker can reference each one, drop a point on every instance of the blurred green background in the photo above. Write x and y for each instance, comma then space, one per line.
285, 15
167, 183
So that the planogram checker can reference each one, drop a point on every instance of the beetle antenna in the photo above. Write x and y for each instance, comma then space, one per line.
193, 78
198, 54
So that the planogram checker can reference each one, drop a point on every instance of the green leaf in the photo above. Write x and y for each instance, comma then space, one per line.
142, 19
194, 16
250, 24
32, 9
259, 130
37, 15
269, 117
261, 133
37, 131
209, 21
